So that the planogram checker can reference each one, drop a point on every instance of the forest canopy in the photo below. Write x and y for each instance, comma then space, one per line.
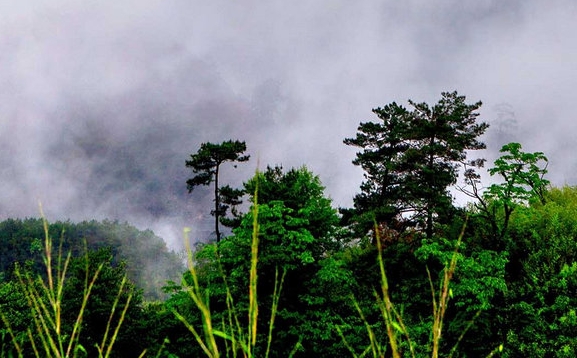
405, 272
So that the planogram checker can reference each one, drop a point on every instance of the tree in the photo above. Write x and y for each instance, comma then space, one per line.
523, 180
16, 316
111, 293
296, 231
206, 165
296, 227
18, 236
302, 192
412, 158
538, 316
230, 197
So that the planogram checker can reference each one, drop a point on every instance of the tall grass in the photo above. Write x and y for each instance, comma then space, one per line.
393, 320
241, 339
238, 339
47, 336
395, 327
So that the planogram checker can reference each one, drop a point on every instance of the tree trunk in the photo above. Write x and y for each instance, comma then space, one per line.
216, 205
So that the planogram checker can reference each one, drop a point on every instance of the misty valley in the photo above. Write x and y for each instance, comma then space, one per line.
407, 271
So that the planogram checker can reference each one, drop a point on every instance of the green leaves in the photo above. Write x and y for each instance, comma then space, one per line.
206, 164
523, 177
210, 156
523, 181
411, 158
479, 275
285, 240
542, 277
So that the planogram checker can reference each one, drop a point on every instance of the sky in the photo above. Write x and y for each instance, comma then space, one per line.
102, 102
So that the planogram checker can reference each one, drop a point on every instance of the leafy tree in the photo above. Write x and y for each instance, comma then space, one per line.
412, 156
206, 165
80, 306
538, 317
127, 243
16, 315
296, 230
110, 286
302, 192
478, 284
523, 180
230, 198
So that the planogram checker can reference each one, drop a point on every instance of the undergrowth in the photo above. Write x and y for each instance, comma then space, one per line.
48, 335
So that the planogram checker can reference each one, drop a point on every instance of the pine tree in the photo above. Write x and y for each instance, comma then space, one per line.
206, 165
412, 157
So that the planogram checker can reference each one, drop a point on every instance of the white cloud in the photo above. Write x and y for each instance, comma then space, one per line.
101, 102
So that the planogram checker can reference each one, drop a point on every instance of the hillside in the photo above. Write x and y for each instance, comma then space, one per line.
149, 263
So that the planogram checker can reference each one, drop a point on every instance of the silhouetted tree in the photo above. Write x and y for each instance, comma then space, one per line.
412, 156
206, 165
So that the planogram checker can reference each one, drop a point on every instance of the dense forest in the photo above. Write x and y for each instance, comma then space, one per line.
405, 272
148, 262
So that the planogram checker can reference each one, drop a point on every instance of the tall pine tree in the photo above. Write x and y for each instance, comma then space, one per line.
411, 158
206, 165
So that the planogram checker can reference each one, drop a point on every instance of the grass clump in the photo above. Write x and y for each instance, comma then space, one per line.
233, 335
399, 342
51, 331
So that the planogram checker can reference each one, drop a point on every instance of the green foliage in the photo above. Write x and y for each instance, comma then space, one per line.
230, 198
296, 231
413, 156
17, 317
479, 274
303, 193
206, 165
523, 177
149, 263
110, 290
523, 181
297, 227
239, 336
75, 310
541, 304
294, 279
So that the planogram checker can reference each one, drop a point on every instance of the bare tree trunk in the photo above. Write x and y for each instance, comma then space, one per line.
216, 205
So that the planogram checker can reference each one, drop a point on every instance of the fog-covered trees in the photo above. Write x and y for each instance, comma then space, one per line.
503, 268
412, 156
206, 165
20, 240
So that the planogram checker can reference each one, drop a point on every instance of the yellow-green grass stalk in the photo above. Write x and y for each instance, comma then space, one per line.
440, 303
46, 313
375, 346
105, 347
233, 321
15, 342
252, 291
235, 337
393, 320
275, 300
208, 342
45, 298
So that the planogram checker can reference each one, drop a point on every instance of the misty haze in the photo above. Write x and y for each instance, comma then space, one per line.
103, 102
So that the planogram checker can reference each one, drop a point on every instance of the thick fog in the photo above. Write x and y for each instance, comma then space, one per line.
101, 102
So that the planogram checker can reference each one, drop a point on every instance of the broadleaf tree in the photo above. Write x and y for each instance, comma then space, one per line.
205, 164
523, 179
411, 158
297, 230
